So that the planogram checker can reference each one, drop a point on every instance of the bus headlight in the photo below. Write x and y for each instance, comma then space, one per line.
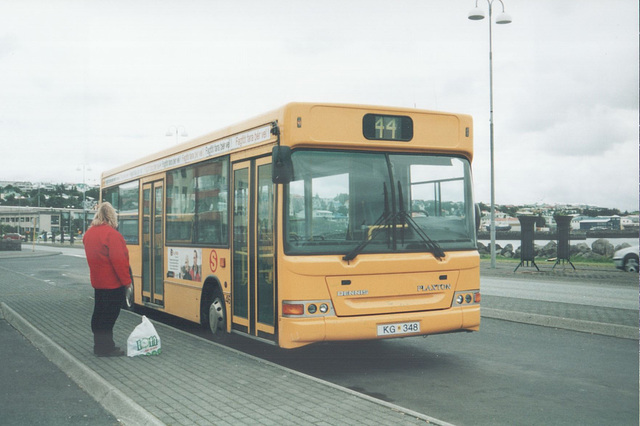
465, 298
306, 308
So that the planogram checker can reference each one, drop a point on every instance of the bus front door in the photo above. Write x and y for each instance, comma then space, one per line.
253, 287
153, 243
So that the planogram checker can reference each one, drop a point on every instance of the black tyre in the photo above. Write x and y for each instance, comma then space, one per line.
631, 264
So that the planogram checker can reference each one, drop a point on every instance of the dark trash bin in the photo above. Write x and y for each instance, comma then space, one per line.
564, 248
527, 237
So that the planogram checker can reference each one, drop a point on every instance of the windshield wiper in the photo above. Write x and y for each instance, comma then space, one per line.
383, 222
435, 249
388, 220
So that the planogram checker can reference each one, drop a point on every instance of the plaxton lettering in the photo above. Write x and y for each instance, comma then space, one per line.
434, 287
353, 293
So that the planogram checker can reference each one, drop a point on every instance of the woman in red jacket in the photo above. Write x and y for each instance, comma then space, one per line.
108, 260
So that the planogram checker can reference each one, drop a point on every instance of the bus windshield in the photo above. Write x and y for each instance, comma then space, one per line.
346, 202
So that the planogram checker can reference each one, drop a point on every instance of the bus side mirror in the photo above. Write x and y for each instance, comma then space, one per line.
282, 166
477, 215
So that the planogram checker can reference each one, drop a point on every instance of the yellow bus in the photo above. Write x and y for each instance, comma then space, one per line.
310, 223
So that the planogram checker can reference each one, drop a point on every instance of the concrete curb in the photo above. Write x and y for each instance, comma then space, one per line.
614, 330
111, 398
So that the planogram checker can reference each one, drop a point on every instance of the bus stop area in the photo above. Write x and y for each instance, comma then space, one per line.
196, 381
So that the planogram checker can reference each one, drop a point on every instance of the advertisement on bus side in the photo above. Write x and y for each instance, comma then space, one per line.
185, 263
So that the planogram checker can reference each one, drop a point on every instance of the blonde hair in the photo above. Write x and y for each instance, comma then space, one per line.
106, 214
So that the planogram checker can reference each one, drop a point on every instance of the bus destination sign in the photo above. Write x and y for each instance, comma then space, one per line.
387, 127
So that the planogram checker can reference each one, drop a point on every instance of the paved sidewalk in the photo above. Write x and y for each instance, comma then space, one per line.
193, 382
622, 323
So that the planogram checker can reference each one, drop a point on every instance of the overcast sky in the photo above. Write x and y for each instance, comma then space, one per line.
99, 83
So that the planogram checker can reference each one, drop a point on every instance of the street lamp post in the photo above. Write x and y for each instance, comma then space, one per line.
177, 131
477, 14
84, 197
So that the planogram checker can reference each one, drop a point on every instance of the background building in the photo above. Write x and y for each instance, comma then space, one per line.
56, 221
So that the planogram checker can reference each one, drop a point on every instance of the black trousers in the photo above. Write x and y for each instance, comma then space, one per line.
105, 313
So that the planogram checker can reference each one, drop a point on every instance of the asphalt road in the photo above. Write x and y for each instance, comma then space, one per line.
508, 373
589, 292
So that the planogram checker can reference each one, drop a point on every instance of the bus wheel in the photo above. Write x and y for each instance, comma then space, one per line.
128, 298
218, 317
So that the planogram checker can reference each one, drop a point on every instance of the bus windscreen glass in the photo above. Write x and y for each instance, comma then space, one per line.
338, 199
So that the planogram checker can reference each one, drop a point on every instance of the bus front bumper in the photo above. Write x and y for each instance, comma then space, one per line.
296, 332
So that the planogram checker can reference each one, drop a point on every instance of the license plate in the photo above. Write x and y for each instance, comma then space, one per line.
398, 328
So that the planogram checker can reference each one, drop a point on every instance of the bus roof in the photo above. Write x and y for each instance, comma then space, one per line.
309, 125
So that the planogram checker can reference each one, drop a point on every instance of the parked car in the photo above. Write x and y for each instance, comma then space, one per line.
14, 236
626, 259
499, 227
41, 236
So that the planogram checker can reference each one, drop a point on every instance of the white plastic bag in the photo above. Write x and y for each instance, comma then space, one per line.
143, 340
